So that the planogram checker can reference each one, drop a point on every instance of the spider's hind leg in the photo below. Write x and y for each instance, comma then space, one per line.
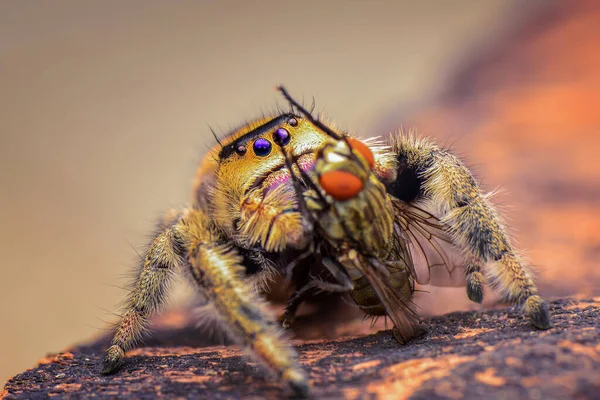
438, 176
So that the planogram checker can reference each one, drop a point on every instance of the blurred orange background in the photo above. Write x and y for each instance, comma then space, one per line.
104, 107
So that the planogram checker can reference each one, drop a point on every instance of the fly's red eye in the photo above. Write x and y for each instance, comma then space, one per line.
363, 149
341, 185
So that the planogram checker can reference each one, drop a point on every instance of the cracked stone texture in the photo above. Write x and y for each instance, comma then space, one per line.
493, 354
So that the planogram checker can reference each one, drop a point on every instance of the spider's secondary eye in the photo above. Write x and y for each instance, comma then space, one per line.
262, 147
282, 136
293, 122
241, 149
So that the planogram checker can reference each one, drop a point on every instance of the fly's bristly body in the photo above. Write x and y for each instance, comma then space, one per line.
287, 195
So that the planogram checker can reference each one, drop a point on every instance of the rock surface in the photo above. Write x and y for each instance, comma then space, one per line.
493, 355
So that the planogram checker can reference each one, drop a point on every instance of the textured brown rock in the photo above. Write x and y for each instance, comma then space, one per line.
494, 354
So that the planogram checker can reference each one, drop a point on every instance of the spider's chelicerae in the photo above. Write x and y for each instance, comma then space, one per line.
289, 195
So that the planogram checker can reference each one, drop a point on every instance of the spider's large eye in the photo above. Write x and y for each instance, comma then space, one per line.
282, 136
262, 147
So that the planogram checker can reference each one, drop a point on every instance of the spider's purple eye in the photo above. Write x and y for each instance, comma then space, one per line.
262, 147
293, 122
282, 136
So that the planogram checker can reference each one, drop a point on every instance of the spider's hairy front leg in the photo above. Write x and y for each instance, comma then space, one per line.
426, 171
190, 240
218, 271
146, 296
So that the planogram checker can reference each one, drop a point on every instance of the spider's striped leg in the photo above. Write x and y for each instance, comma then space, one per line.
427, 172
147, 295
218, 271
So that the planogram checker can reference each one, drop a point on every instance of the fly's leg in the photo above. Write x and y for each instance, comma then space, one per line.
147, 295
427, 172
297, 298
293, 304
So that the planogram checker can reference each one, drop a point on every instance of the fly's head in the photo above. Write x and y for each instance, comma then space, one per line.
352, 205
346, 197
343, 168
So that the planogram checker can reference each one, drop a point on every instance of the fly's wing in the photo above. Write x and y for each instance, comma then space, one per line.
405, 320
434, 259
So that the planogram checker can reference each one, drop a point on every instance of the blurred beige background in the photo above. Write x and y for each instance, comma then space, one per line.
104, 107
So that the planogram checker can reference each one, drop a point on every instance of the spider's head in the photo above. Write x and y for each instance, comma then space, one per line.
251, 159
256, 180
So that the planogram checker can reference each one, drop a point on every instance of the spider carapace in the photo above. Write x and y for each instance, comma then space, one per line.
290, 191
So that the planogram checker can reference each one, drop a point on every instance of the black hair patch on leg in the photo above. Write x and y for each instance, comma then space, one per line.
407, 186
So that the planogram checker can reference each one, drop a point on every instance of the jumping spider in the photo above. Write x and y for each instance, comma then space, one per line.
289, 193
